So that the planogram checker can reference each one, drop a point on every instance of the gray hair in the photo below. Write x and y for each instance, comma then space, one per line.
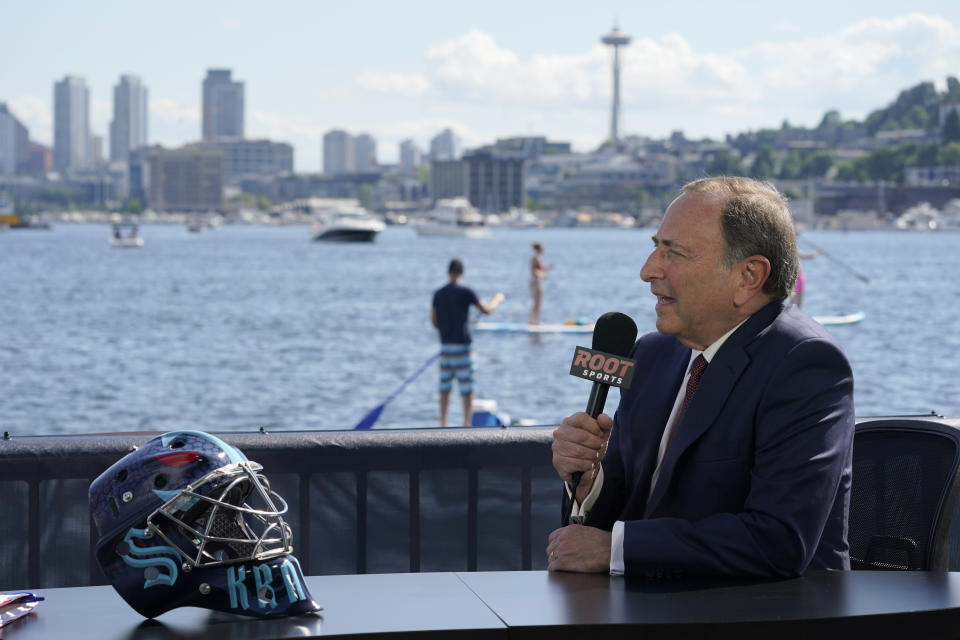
755, 220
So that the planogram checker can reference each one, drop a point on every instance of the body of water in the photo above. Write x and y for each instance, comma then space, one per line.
242, 327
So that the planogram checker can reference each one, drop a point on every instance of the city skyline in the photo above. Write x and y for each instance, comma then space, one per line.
509, 69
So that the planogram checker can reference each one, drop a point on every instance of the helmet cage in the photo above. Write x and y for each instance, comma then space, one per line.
230, 515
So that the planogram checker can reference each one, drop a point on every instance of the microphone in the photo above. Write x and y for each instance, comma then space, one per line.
606, 364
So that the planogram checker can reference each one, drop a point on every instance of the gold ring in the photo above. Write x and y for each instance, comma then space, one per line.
553, 556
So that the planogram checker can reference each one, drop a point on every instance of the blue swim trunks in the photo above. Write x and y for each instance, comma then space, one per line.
456, 360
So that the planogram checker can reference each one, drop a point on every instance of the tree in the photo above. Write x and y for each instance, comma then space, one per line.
133, 205
949, 155
951, 127
855, 171
724, 163
366, 196
816, 164
953, 88
926, 155
763, 165
886, 163
792, 165
916, 118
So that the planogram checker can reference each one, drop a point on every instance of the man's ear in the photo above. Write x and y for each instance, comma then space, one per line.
752, 273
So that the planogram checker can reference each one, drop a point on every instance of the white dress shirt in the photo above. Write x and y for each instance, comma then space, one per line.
579, 512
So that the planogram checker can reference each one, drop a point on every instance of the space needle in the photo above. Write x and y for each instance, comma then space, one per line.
615, 39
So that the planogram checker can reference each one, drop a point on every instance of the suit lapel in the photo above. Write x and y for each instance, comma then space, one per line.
715, 387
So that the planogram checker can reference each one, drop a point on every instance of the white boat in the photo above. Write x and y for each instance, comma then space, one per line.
454, 218
345, 223
847, 318
132, 240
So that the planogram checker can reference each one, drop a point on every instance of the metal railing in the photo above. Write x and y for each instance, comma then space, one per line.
462, 499
360, 502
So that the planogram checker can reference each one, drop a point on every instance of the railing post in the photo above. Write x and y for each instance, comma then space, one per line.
473, 498
361, 521
415, 521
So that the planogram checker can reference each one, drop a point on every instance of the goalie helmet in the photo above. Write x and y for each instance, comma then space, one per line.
187, 520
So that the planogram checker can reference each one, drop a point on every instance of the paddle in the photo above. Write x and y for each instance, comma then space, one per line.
840, 262
367, 421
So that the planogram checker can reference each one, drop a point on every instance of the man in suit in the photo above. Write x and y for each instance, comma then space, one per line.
746, 472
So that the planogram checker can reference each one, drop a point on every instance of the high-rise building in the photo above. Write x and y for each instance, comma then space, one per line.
410, 154
96, 151
445, 146
246, 158
71, 124
338, 150
14, 144
493, 182
222, 105
185, 179
128, 130
364, 152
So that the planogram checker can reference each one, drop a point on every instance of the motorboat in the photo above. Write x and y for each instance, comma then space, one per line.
454, 218
345, 223
132, 239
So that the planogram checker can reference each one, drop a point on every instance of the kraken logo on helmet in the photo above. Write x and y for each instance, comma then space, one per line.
188, 520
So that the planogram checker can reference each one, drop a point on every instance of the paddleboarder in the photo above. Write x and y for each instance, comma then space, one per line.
796, 296
538, 273
449, 312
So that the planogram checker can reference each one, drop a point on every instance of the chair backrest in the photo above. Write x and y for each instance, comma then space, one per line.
904, 494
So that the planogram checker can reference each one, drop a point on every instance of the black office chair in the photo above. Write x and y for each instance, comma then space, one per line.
904, 495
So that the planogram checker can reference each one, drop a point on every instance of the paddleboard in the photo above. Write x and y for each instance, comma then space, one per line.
523, 327
850, 318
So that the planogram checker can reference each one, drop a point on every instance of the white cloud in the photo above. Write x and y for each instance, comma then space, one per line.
668, 83
34, 113
168, 109
475, 67
408, 85
173, 123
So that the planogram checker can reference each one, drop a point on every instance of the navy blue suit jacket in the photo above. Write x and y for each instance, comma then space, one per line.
756, 480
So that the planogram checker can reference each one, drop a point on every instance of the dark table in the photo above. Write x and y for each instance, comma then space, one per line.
537, 604
850, 605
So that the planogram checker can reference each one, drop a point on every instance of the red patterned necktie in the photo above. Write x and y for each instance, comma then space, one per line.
696, 371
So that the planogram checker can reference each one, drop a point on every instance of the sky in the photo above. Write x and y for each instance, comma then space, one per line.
489, 70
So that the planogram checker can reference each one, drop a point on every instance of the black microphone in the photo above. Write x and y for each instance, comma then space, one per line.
606, 364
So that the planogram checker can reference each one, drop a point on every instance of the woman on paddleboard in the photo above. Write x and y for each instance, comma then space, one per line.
538, 273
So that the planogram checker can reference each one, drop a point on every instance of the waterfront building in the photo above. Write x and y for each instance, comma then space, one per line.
41, 159
185, 179
223, 105
96, 151
410, 155
492, 182
530, 147
942, 176
71, 124
128, 130
445, 146
246, 158
448, 179
365, 153
14, 144
338, 152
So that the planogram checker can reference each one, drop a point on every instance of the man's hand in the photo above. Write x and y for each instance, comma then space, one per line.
579, 548
578, 445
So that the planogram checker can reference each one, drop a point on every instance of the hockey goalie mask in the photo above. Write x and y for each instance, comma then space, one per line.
188, 520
